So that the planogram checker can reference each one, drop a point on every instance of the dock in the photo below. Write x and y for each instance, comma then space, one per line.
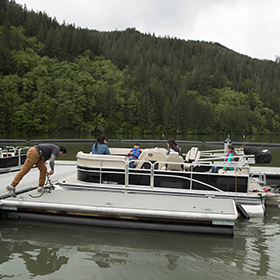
109, 208
266, 175
268, 170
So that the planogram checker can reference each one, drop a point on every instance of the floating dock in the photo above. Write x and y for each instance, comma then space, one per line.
109, 208
267, 175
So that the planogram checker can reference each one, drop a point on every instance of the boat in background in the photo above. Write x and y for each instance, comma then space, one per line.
12, 158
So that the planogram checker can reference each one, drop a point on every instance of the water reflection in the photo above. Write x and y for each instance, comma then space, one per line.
42, 261
37, 249
107, 258
38, 260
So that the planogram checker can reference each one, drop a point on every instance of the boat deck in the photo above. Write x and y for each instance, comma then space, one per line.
114, 208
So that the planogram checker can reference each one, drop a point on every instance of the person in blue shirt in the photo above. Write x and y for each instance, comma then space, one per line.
134, 154
100, 147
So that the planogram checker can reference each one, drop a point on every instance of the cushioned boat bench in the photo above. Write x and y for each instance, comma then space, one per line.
93, 160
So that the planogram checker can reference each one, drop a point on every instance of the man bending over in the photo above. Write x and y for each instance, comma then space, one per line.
37, 155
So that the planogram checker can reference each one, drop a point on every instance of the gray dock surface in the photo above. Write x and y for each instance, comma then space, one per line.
87, 200
87, 206
30, 180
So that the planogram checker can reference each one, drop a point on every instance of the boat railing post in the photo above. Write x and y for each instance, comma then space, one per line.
100, 172
19, 156
152, 175
126, 178
191, 169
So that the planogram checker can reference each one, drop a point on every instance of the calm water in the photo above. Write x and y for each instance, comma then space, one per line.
30, 250
48, 251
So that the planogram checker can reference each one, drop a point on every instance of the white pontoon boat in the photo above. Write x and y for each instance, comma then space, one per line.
157, 173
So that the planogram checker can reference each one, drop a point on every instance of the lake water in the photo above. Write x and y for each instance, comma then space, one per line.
30, 250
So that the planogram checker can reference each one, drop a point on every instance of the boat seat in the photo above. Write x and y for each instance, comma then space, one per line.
152, 155
93, 160
192, 156
119, 151
177, 159
238, 171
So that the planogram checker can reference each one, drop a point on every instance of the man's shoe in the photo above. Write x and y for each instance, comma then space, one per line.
11, 190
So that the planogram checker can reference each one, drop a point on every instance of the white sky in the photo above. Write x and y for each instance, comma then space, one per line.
249, 27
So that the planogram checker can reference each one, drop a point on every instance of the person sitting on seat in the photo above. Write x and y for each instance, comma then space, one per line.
229, 157
134, 154
173, 146
100, 148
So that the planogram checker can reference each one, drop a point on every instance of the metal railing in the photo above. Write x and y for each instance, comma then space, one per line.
153, 172
11, 151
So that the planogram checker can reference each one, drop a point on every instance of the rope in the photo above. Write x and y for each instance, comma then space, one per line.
48, 186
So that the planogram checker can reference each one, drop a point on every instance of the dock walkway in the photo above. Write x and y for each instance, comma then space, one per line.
30, 180
114, 208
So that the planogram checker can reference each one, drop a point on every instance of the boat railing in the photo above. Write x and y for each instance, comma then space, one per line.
11, 151
239, 161
220, 155
155, 172
119, 165
258, 177
7, 151
109, 160
209, 153
236, 161
221, 151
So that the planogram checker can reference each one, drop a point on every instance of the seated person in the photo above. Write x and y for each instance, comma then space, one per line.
134, 154
230, 156
173, 147
100, 147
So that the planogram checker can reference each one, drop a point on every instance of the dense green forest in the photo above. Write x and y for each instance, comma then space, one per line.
58, 77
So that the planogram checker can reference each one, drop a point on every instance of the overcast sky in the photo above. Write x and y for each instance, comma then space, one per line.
249, 27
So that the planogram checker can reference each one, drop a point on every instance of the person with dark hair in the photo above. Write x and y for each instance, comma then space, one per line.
37, 155
173, 146
100, 147
134, 154
229, 157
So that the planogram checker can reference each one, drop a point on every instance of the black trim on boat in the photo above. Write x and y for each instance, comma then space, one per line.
164, 179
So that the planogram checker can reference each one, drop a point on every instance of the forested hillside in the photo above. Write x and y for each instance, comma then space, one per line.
64, 78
